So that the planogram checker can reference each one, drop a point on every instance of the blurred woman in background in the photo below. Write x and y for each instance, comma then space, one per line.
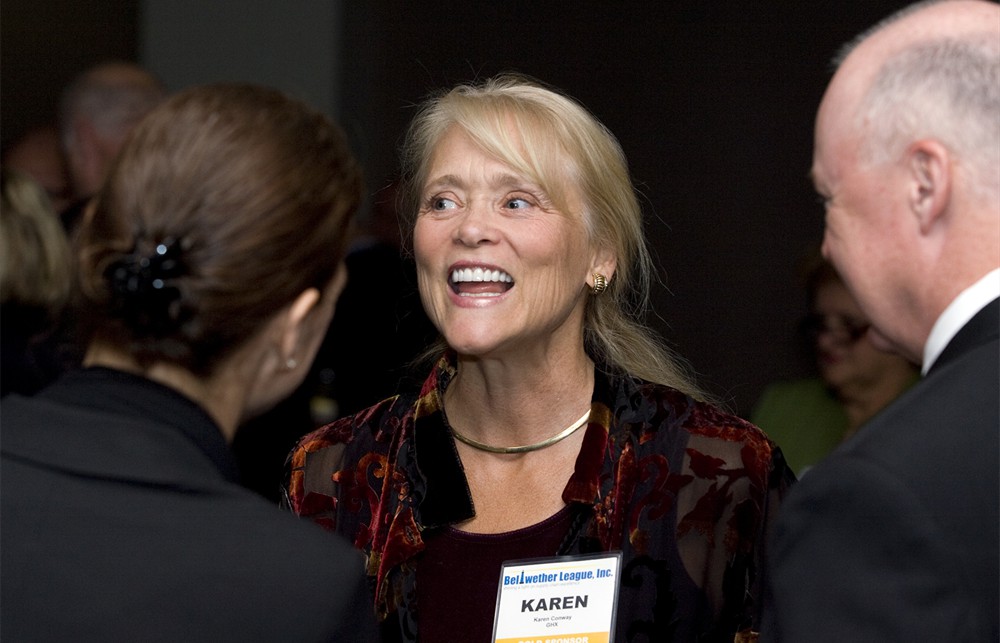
35, 281
810, 417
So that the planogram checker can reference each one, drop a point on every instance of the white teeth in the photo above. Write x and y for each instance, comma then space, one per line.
478, 274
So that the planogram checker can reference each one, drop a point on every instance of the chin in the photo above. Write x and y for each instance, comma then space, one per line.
880, 342
884, 344
471, 350
471, 336
833, 376
474, 346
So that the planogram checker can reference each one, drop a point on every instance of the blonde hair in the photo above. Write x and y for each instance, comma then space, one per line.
551, 139
35, 265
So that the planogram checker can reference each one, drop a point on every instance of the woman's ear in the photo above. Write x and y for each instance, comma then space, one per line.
308, 317
604, 263
293, 325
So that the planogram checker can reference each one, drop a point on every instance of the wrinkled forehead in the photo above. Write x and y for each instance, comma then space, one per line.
530, 147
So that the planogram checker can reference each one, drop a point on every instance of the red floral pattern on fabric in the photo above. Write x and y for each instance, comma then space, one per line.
655, 468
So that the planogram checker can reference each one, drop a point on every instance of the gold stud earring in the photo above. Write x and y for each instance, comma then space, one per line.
600, 284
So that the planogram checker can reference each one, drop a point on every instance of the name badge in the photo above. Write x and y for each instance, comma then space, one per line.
569, 599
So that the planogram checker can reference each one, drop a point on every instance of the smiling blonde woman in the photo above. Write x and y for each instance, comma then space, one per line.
553, 423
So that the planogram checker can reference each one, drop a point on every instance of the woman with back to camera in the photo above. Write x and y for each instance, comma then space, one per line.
210, 265
552, 423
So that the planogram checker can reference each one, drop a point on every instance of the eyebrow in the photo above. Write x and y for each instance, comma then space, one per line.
498, 180
447, 180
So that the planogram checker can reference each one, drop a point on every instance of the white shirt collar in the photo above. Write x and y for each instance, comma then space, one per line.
958, 313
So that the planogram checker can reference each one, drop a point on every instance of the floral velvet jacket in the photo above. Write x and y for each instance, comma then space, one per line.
684, 490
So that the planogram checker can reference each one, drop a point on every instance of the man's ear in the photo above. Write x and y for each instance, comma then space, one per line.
293, 324
929, 172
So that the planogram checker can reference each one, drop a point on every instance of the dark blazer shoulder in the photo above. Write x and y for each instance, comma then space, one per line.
905, 513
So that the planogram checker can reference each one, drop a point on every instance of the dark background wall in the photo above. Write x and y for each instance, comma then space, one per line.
713, 103
44, 43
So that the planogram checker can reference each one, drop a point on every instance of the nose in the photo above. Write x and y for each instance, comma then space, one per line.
475, 227
826, 340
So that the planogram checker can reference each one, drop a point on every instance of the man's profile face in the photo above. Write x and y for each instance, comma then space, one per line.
860, 231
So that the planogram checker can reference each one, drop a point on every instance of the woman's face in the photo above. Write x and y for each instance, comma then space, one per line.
844, 351
501, 270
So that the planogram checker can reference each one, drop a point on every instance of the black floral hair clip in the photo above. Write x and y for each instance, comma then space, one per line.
144, 290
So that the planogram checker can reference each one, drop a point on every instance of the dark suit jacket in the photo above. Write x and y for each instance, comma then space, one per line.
121, 520
895, 536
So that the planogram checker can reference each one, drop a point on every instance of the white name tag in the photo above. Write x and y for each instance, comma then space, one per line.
570, 599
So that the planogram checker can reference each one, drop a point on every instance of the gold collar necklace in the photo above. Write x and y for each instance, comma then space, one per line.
565, 433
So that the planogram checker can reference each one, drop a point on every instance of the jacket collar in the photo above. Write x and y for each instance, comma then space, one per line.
107, 423
982, 328
442, 495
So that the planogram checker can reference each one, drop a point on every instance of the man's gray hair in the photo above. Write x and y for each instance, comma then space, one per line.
946, 89
113, 103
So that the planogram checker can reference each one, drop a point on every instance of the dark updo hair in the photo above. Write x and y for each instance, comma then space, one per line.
225, 204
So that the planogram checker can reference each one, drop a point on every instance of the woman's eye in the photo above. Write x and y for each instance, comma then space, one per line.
517, 204
441, 203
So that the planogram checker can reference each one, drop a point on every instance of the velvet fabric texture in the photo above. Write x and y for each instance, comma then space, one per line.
683, 489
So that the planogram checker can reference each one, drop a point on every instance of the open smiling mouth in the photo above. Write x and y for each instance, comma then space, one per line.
480, 282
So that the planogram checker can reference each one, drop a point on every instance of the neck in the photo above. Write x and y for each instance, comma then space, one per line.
525, 448
497, 404
221, 402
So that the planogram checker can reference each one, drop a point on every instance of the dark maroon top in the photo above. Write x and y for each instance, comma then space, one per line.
459, 574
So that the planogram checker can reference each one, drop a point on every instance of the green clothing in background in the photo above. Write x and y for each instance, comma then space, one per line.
804, 418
